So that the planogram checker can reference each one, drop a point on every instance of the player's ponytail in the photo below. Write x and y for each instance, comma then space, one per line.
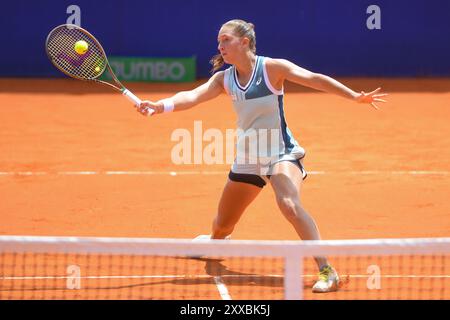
217, 62
242, 29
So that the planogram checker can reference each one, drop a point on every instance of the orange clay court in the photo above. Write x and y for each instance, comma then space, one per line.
76, 159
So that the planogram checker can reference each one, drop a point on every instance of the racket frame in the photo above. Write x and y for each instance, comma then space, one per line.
121, 88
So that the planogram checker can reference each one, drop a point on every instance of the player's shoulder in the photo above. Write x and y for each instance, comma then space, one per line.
276, 65
218, 77
275, 62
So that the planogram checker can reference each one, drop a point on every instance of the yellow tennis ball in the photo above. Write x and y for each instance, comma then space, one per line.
81, 47
97, 69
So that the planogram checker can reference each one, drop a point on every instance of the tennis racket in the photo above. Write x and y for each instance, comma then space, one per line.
89, 66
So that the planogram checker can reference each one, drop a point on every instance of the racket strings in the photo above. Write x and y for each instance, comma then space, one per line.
60, 48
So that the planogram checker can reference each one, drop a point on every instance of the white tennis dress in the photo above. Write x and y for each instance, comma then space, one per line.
263, 137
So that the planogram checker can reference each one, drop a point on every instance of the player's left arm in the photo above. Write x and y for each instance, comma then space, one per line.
282, 69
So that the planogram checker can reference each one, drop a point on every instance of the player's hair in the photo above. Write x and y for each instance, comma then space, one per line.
240, 28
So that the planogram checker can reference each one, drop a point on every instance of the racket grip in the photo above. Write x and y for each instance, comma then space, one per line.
135, 100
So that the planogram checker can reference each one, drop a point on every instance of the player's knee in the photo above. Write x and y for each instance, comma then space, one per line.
290, 207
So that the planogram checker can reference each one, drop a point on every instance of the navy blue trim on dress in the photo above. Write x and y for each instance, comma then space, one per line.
251, 80
288, 145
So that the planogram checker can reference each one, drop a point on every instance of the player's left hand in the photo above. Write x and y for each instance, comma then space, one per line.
371, 97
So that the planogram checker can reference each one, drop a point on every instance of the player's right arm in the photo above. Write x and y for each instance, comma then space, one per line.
187, 99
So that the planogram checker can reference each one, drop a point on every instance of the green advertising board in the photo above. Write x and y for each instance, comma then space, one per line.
152, 69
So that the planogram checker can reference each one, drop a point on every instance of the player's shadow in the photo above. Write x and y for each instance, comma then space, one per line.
217, 269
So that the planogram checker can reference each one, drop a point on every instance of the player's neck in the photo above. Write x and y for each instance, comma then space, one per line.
245, 67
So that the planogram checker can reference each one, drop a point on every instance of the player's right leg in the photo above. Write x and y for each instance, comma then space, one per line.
236, 197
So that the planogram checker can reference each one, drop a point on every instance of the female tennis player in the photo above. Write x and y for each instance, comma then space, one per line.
255, 85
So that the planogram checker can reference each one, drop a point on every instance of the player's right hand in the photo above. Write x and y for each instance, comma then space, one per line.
149, 108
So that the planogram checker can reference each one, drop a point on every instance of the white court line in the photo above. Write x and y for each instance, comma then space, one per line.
82, 173
176, 173
223, 290
23, 173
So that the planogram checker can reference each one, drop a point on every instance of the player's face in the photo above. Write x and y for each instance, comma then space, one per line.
230, 46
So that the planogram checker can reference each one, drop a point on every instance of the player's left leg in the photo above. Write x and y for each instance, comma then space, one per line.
286, 180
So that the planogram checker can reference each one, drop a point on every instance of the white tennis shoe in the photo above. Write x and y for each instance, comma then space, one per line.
206, 237
328, 280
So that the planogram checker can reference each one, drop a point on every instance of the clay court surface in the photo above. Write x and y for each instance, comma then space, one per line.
76, 159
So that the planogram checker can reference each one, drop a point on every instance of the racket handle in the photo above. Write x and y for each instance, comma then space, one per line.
135, 100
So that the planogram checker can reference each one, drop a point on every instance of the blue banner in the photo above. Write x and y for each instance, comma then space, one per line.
335, 37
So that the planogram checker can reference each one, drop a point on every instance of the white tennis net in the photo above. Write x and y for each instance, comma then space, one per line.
33, 267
